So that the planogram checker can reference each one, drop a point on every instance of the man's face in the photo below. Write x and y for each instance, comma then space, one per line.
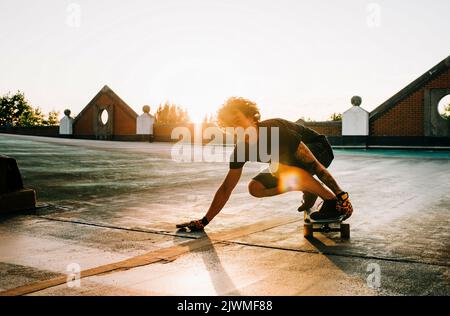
240, 120
242, 123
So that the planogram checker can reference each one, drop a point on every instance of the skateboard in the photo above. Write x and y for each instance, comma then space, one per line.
325, 226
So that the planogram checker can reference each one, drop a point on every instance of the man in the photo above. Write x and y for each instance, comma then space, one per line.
302, 153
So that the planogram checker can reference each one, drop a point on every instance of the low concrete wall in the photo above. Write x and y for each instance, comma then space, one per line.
393, 142
332, 129
49, 131
163, 132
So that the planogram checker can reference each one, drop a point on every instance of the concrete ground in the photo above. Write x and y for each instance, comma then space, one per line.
109, 209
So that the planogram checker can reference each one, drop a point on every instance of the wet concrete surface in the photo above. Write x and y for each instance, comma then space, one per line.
110, 201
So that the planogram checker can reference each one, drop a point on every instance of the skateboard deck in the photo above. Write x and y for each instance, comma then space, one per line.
325, 226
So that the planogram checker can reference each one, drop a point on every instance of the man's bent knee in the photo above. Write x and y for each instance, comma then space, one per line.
256, 189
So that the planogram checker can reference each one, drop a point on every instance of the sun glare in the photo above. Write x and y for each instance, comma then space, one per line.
196, 115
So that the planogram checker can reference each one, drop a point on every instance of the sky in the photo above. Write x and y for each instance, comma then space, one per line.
294, 58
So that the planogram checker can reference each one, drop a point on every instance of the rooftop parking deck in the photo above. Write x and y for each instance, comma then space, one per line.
110, 208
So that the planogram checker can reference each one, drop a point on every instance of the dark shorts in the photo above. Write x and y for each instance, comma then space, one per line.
322, 151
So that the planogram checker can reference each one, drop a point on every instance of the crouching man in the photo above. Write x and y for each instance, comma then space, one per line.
301, 154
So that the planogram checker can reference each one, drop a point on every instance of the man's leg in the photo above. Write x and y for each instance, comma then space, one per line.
291, 179
309, 200
318, 163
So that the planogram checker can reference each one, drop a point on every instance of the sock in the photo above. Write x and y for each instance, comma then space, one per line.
205, 221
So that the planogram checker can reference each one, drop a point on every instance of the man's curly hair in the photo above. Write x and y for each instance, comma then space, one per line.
227, 112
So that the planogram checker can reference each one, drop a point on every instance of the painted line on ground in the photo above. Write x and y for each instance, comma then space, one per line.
166, 254
349, 255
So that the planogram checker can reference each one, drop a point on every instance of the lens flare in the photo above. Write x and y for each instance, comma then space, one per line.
288, 177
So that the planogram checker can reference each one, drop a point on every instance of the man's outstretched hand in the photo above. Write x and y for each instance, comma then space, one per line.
194, 225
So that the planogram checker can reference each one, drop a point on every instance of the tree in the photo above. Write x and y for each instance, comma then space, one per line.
52, 118
183, 116
209, 119
158, 114
171, 114
14, 109
336, 117
164, 114
34, 117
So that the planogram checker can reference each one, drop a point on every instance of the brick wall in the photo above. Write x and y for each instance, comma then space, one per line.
328, 128
124, 124
406, 117
83, 125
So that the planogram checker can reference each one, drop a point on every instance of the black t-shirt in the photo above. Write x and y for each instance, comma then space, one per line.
290, 135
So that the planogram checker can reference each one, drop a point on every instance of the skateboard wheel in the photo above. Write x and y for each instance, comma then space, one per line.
345, 231
308, 230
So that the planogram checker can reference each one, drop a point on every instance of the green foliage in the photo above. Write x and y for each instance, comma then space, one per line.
336, 117
33, 117
53, 119
16, 111
171, 114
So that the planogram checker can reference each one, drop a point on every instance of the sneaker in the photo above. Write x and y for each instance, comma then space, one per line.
305, 207
328, 210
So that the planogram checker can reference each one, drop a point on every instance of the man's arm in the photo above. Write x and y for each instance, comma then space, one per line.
304, 155
220, 198
223, 193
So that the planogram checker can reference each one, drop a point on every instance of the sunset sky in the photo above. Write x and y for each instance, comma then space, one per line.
294, 58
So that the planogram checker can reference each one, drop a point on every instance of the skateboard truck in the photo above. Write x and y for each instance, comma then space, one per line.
325, 226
